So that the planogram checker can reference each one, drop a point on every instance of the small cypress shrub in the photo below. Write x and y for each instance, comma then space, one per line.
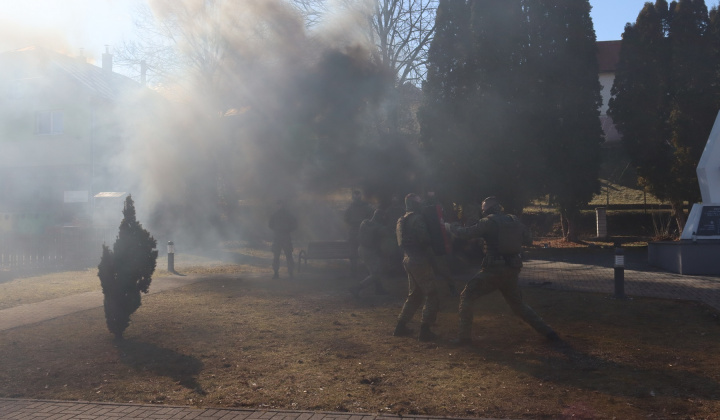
126, 270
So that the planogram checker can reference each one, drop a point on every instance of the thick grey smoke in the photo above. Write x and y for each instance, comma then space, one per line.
264, 110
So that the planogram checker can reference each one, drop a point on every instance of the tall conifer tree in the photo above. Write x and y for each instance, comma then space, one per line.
504, 155
443, 114
665, 97
566, 100
126, 271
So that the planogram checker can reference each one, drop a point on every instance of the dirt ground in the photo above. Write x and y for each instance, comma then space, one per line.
248, 341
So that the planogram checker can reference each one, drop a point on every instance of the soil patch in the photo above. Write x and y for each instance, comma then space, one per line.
308, 344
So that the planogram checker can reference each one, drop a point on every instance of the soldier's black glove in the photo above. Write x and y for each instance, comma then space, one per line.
453, 290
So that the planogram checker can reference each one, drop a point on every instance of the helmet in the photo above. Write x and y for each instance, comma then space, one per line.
413, 202
491, 205
378, 216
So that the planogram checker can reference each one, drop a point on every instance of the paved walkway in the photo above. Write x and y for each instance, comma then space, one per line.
72, 410
587, 273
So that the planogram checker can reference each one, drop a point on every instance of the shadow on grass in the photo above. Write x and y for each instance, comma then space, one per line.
568, 366
149, 357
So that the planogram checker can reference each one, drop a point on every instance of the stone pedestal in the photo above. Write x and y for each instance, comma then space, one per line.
698, 251
686, 256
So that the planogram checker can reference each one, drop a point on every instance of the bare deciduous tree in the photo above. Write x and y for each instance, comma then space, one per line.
402, 31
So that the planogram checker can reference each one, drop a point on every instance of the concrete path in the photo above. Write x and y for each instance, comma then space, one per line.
54, 308
639, 281
584, 273
72, 410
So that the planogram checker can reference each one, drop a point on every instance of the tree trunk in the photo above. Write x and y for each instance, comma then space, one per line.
678, 212
568, 219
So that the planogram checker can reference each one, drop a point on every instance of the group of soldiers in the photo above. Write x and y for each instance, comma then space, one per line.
419, 235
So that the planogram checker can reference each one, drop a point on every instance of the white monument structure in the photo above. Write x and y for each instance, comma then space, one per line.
698, 250
704, 220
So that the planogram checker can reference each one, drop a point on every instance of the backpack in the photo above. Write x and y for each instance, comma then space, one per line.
439, 240
510, 233
405, 238
368, 235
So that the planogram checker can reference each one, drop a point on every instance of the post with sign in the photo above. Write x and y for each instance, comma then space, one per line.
619, 272
171, 256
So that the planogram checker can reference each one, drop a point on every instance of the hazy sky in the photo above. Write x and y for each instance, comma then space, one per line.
90, 24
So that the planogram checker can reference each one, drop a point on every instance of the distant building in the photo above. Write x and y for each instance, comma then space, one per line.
62, 119
608, 56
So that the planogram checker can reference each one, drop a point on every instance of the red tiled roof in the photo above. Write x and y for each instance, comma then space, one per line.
608, 55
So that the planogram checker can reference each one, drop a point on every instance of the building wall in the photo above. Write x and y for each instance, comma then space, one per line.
606, 80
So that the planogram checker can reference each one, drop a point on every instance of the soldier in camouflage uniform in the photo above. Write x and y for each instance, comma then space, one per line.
370, 236
358, 211
499, 270
282, 223
394, 211
414, 240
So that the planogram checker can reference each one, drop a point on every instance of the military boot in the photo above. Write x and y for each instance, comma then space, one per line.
401, 330
276, 275
425, 333
380, 290
461, 341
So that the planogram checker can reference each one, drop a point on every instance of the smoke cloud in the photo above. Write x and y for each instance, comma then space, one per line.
265, 109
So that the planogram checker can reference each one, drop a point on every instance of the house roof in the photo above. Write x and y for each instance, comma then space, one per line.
608, 55
106, 84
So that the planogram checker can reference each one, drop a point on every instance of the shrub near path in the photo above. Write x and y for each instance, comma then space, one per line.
253, 342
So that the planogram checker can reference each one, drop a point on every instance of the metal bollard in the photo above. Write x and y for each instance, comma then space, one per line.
619, 272
171, 256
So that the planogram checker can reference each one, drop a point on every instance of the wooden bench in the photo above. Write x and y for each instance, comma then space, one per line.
324, 250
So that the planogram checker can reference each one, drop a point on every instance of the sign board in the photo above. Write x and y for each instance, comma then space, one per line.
709, 224
76, 197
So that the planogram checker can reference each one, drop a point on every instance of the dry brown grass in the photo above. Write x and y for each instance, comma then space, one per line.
32, 289
307, 344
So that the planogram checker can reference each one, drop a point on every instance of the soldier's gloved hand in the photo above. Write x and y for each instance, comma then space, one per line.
453, 290
447, 227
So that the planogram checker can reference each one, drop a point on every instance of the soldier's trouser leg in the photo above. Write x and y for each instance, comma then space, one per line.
276, 249
513, 297
412, 303
373, 264
353, 243
483, 283
425, 279
441, 268
421, 288
288, 259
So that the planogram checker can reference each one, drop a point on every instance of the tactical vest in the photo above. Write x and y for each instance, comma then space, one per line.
368, 234
439, 242
510, 233
405, 237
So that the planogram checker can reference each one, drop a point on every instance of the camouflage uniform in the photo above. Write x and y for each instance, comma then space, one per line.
394, 211
498, 272
414, 240
371, 234
439, 257
282, 223
358, 211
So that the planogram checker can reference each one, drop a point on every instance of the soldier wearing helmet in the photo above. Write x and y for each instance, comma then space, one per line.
282, 223
370, 236
413, 238
357, 211
504, 236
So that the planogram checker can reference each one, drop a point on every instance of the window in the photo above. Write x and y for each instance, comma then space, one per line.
49, 122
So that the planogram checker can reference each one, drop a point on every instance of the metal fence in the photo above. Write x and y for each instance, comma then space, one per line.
57, 249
